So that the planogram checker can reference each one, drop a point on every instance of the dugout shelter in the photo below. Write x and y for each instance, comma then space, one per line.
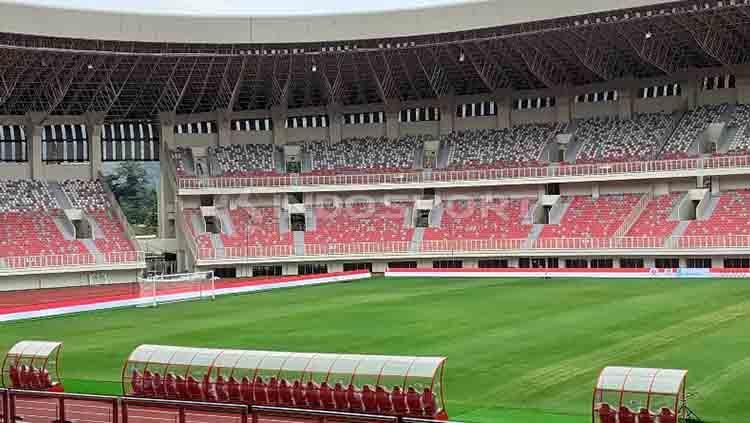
32, 365
629, 394
373, 384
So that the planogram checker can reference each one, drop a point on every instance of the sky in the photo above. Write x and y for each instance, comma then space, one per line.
242, 7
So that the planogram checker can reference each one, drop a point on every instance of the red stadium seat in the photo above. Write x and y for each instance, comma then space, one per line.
339, 397
246, 390
645, 416
195, 393
233, 386
46, 381
148, 383
298, 392
35, 378
221, 389
15, 380
170, 386
285, 393
182, 388
607, 414
312, 395
326, 396
158, 386
368, 399
25, 376
136, 383
260, 395
383, 399
273, 391
625, 415
428, 402
354, 398
667, 416
414, 402
207, 386
399, 401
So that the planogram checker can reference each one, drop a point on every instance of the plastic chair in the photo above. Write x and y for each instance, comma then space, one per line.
414, 401
312, 395
354, 398
298, 393
326, 396
383, 399
428, 402
606, 414
369, 400
339, 397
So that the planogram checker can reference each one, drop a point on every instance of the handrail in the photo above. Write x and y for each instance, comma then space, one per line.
635, 213
452, 247
72, 260
445, 176
187, 233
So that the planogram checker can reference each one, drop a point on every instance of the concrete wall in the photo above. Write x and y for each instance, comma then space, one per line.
589, 110
59, 172
661, 104
364, 130
58, 280
251, 137
196, 140
728, 95
545, 115
420, 128
481, 122
306, 134
15, 170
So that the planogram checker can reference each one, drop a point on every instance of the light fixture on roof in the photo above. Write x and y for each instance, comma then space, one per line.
461, 57
90, 66
314, 67
649, 35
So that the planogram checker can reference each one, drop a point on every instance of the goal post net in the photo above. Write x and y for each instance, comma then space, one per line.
177, 287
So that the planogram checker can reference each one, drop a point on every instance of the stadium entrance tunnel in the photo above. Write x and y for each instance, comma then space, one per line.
32, 365
381, 385
627, 394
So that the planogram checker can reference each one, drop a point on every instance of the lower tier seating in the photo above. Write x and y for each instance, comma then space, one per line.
654, 220
478, 219
367, 222
255, 226
730, 217
587, 217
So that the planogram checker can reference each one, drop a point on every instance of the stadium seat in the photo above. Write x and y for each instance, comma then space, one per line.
326, 396
646, 416
194, 389
208, 388
625, 415
364, 155
613, 139
588, 217
158, 385
260, 395
233, 388
312, 395
35, 378
399, 401
15, 381
285, 393
607, 414
298, 393
46, 381
666, 415
182, 388
339, 397
354, 398
273, 390
148, 383
170, 384
222, 394
246, 390
136, 382
383, 398
428, 402
369, 400
414, 401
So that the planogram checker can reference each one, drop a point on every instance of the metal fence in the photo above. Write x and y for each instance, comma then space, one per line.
73, 260
498, 174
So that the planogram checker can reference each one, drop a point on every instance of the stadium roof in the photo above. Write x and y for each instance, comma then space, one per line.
71, 73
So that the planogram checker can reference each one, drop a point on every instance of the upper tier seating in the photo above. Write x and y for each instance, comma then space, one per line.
740, 142
613, 139
692, 124
520, 144
244, 160
730, 217
369, 222
480, 219
592, 218
368, 154
178, 156
25, 195
654, 219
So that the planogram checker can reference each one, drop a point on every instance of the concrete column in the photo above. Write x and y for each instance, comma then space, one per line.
33, 131
504, 104
392, 125
743, 89
690, 90
224, 126
563, 109
279, 115
167, 189
290, 269
94, 131
625, 100
335, 122
447, 114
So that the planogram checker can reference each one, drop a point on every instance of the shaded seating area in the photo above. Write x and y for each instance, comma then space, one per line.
387, 385
639, 395
32, 365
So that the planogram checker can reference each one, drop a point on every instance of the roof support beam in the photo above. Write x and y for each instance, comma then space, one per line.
237, 83
650, 48
714, 39
539, 64
386, 85
109, 90
197, 102
332, 89
408, 73
585, 47
279, 91
486, 67
428, 59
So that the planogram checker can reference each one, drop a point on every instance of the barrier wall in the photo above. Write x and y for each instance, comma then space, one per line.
83, 303
618, 273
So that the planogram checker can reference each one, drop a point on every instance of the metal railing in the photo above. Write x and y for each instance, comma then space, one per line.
437, 175
454, 247
72, 260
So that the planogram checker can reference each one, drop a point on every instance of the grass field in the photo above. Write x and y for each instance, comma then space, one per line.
520, 350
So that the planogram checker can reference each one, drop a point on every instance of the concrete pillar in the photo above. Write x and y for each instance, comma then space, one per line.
717, 262
625, 100
279, 115
290, 269
167, 189
447, 114
392, 125
335, 122
94, 131
743, 89
690, 91
224, 127
504, 104
563, 109
33, 131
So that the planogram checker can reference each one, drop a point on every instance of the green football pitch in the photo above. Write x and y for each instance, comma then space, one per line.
519, 350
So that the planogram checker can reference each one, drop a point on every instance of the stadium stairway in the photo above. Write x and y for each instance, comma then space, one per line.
310, 222
558, 210
668, 134
536, 231
283, 221
93, 249
299, 243
415, 245
436, 216
57, 192
278, 158
65, 227
226, 220
418, 157
443, 155
711, 202
218, 245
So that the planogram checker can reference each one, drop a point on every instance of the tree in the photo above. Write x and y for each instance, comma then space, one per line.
136, 196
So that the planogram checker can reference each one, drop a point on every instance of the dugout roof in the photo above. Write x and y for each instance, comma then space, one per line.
38, 354
375, 367
123, 80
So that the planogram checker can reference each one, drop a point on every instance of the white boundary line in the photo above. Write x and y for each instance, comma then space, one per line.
58, 311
